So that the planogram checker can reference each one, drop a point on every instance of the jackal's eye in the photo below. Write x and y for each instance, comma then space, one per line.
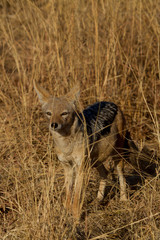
48, 114
64, 114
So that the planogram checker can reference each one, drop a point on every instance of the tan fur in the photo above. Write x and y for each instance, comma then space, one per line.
72, 149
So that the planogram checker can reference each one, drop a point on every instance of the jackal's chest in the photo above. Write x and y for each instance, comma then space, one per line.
73, 158
70, 150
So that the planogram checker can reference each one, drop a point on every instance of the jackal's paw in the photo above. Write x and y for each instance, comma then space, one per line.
76, 214
100, 198
123, 198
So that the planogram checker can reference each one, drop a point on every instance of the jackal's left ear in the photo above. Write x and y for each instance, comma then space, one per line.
42, 93
74, 95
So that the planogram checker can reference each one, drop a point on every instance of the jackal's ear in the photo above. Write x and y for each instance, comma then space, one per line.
74, 94
42, 93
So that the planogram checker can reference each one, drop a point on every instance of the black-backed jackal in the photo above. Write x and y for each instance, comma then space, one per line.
92, 135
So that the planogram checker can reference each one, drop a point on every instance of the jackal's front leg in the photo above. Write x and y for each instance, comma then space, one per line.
76, 207
68, 170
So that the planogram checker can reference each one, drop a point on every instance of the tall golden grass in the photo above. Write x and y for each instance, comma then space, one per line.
110, 48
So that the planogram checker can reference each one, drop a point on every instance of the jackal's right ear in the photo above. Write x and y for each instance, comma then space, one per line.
42, 93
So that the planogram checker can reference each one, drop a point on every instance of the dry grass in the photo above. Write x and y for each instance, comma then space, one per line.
112, 48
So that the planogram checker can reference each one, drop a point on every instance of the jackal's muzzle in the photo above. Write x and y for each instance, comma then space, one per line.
55, 126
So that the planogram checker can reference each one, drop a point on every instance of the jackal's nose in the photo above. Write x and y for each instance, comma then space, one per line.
54, 125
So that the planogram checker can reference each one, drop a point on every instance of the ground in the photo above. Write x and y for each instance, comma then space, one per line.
111, 49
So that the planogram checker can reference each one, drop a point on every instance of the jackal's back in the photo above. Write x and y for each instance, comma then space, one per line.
98, 119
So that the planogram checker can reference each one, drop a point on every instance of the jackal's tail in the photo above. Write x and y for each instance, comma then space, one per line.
144, 161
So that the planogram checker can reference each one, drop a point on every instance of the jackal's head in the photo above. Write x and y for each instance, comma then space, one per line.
60, 111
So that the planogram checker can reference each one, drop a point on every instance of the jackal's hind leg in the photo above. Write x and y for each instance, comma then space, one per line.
122, 181
103, 174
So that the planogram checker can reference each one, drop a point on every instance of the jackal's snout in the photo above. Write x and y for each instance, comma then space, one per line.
55, 126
